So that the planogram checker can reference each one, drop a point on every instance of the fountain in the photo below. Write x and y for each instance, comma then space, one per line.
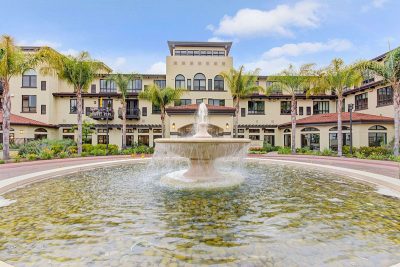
202, 150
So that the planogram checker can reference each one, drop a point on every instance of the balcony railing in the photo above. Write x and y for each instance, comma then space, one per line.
102, 113
131, 113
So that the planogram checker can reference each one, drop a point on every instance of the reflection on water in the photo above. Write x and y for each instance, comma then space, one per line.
281, 216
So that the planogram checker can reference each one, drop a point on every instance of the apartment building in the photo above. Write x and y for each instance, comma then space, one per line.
45, 107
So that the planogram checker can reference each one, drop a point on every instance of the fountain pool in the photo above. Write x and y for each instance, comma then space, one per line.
122, 216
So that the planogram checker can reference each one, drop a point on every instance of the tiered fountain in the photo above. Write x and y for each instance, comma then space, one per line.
202, 150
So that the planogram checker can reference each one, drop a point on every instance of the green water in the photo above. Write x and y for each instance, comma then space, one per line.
281, 216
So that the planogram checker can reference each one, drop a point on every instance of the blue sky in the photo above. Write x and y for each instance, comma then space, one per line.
131, 36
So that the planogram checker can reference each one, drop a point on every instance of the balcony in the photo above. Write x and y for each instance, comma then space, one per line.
131, 113
102, 113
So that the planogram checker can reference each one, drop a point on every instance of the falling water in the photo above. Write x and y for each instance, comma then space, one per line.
202, 122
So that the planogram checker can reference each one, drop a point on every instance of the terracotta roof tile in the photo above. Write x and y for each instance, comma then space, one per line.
194, 107
19, 120
332, 118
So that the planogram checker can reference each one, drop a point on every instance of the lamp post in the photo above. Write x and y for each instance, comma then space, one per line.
350, 107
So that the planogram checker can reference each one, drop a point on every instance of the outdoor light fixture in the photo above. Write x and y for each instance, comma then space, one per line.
227, 125
21, 131
350, 108
173, 125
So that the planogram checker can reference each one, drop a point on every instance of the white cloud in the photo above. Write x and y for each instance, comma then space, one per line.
278, 21
277, 58
157, 68
216, 39
70, 52
336, 45
39, 42
119, 64
373, 4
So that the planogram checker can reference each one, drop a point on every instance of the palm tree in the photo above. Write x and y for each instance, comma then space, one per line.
241, 85
161, 98
293, 81
13, 62
122, 81
390, 73
336, 78
77, 71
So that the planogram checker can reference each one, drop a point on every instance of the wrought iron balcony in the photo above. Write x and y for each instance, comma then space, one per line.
131, 113
102, 113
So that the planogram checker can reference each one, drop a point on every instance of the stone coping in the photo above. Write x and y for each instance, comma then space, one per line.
203, 140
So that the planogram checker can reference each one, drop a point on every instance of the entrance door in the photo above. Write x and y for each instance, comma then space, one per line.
143, 140
287, 140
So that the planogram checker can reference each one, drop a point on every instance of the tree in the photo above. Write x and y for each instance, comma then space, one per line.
293, 81
122, 81
241, 85
336, 78
77, 71
389, 71
87, 129
161, 98
13, 62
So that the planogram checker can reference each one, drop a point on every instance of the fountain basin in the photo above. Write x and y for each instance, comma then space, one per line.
202, 153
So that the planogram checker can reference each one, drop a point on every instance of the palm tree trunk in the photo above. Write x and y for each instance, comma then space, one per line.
79, 118
163, 122
6, 119
236, 121
339, 125
396, 104
123, 125
293, 120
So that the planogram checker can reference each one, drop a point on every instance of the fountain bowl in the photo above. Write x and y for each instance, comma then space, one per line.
202, 153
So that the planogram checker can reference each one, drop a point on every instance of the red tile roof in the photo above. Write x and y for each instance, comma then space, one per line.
19, 120
332, 118
193, 108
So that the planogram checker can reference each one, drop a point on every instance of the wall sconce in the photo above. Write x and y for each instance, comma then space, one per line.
21, 131
173, 125
227, 125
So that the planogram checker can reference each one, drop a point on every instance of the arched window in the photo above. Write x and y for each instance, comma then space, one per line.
310, 129
377, 135
219, 83
377, 127
180, 81
199, 82
287, 131
40, 130
344, 128
29, 79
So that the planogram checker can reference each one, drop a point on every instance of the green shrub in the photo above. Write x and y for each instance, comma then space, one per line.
1, 146
37, 146
327, 152
63, 155
394, 158
72, 150
87, 148
284, 150
359, 155
98, 152
268, 147
138, 150
377, 156
84, 154
31, 157
2, 161
46, 154
17, 158
57, 148
376, 151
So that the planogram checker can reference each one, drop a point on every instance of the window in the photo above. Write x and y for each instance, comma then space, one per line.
254, 137
135, 85
269, 131
160, 83
144, 111
199, 82
180, 81
43, 85
301, 111
368, 77
361, 101
310, 140
106, 103
308, 110
43, 109
320, 107
377, 139
333, 138
29, 79
29, 103
93, 89
243, 112
107, 86
209, 84
256, 107
385, 96
216, 102
183, 102
254, 130
377, 127
219, 83
310, 129
73, 106
155, 109
199, 101
88, 111
286, 107
143, 140
102, 139
189, 84
270, 139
